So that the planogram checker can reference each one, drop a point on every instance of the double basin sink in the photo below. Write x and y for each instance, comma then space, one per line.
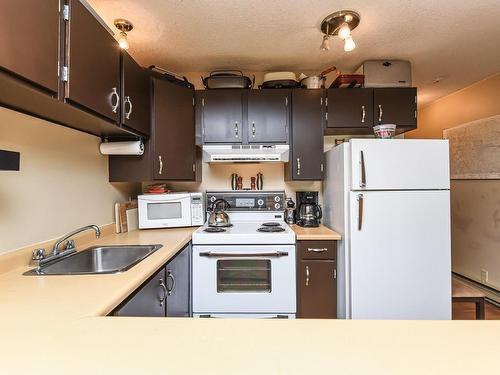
97, 260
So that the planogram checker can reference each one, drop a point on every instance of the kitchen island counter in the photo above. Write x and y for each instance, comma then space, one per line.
55, 325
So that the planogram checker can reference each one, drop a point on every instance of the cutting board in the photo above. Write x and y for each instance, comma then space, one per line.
128, 216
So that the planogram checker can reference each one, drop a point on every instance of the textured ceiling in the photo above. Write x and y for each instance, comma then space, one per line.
457, 40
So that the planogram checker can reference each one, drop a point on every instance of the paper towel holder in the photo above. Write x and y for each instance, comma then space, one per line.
109, 141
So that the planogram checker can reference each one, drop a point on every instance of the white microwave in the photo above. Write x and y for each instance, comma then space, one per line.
170, 210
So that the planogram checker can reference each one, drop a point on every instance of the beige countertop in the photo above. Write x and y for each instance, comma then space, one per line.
54, 325
319, 233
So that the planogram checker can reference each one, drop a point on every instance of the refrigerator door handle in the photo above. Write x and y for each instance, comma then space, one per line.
362, 183
360, 211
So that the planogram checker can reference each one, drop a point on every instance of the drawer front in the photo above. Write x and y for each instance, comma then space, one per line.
317, 249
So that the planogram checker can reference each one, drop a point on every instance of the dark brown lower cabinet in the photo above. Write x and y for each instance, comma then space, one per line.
317, 279
149, 300
166, 293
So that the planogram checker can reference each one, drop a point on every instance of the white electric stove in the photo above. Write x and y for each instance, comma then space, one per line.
246, 269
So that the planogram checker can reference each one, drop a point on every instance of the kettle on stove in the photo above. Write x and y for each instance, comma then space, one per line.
217, 216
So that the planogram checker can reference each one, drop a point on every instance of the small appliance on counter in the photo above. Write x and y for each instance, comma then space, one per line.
309, 212
290, 211
170, 210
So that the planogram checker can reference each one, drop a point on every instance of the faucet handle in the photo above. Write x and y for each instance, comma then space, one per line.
38, 254
69, 245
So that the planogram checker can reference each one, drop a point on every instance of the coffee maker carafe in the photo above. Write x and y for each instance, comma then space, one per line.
309, 212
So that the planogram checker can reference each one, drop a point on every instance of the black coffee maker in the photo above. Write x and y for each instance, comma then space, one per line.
309, 212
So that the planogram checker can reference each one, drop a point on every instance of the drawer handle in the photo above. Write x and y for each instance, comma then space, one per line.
317, 250
307, 275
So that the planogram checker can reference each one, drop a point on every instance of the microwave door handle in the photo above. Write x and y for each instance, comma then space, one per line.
275, 254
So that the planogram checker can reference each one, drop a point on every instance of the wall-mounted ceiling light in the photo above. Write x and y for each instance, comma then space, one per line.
340, 24
124, 26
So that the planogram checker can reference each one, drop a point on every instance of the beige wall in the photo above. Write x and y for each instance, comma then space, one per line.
474, 102
218, 177
62, 184
475, 204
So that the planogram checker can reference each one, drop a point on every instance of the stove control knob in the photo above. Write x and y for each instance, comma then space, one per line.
260, 202
277, 206
277, 198
212, 199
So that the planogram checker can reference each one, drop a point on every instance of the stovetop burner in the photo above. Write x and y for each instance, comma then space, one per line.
271, 229
214, 230
271, 224
220, 226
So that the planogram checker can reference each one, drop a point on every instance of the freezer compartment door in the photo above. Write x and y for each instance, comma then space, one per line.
399, 164
400, 255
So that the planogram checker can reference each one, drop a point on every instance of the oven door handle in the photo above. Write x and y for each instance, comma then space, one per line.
276, 254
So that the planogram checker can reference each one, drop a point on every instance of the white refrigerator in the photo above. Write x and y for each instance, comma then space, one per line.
390, 201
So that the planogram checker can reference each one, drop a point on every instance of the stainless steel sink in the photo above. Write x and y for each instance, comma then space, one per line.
97, 260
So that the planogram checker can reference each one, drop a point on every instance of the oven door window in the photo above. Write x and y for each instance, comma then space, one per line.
244, 275
162, 211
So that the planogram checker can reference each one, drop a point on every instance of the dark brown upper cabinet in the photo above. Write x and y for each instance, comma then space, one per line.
135, 104
173, 131
222, 116
29, 41
93, 60
306, 151
170, 153
396, 106
268, 116
350, 108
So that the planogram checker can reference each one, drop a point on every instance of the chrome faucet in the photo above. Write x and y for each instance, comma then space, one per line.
39, 257
71, 244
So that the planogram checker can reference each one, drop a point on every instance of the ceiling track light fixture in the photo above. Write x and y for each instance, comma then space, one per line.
124, 26
340, 24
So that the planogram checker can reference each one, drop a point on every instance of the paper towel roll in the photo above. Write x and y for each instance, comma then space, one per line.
122, 148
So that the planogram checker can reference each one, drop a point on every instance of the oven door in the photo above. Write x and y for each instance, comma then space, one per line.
244, 279
164, 211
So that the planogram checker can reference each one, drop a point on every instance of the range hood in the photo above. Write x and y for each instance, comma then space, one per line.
245, 153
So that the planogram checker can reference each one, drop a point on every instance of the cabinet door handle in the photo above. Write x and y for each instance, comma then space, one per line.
253, 129
298, 166
307, 276
170, 276
114, 95
360, 211
129, 102
165, 292
160, 161
380, 113
317, 250
335, 274
363, 113
362, 182
236, 130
